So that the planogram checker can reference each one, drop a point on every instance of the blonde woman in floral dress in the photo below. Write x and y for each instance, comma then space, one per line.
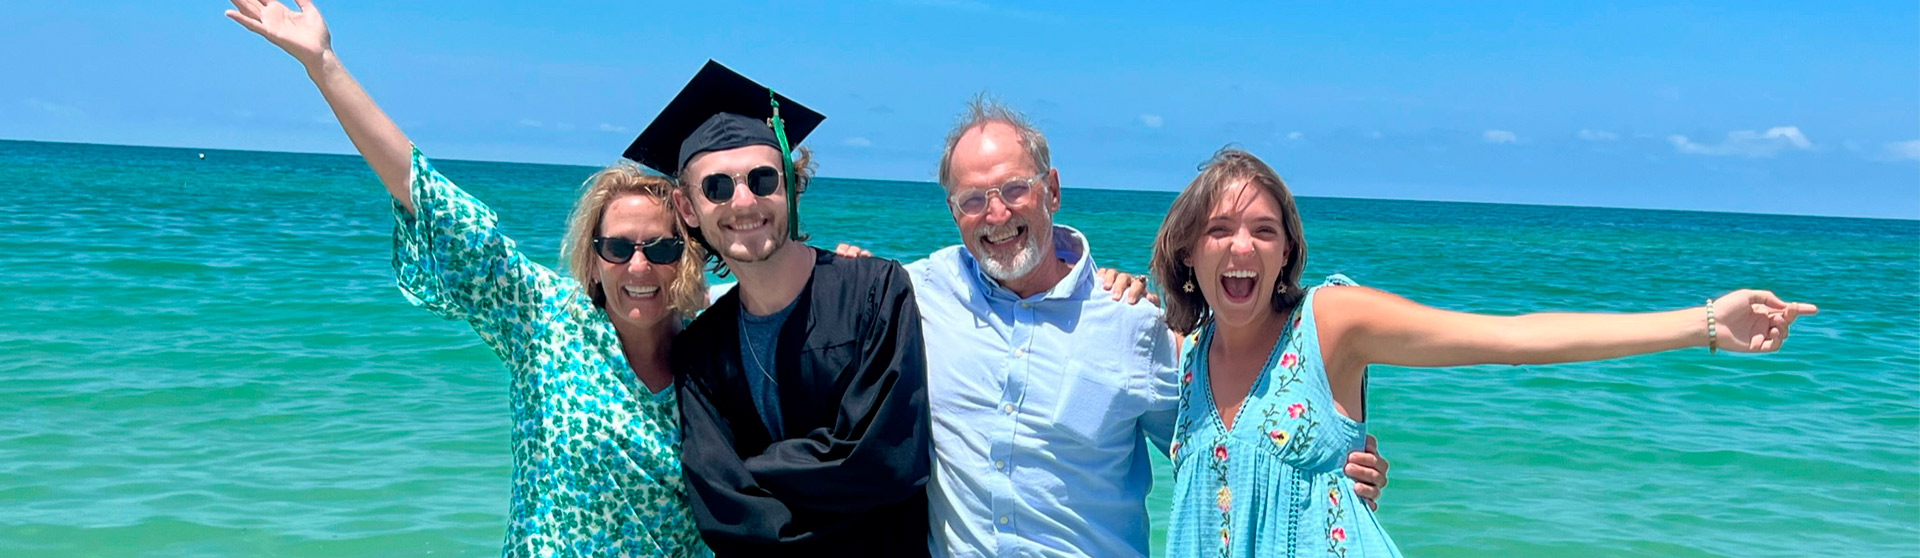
1272, 394
596, 462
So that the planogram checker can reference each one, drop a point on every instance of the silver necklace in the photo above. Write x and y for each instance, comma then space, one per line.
756, 362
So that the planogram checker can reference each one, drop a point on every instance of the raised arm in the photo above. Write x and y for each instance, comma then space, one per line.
1368, 326
304, 35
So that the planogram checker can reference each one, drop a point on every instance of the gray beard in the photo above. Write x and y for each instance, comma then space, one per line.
1024, 261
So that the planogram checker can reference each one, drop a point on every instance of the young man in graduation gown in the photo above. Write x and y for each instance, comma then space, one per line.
803, 390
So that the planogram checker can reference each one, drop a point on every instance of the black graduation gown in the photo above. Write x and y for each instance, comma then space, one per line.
852, 370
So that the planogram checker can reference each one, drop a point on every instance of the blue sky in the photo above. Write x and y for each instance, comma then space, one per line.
1751, 106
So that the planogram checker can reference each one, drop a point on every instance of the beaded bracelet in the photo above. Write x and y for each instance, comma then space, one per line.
1713, 344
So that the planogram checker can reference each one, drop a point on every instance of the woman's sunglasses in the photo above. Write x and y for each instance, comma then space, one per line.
660, 251
762, 181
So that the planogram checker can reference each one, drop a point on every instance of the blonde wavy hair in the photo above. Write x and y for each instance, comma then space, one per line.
687, 295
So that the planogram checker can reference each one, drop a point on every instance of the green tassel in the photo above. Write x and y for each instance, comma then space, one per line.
786, 160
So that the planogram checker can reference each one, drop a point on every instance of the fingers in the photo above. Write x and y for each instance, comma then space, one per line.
1153, 299
1773, 303
1369, 474
307, 6
1106, 279
845, 250
247, 22
1777, 331
1136, 291
249, 8
1366, 493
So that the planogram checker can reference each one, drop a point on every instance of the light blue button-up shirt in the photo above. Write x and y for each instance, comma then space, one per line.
1042, 409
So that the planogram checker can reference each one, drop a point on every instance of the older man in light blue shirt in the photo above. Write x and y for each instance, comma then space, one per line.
1044, 391
1043, 404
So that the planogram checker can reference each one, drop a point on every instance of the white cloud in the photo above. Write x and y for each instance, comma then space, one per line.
1597, 135
605, 127
55, 109
1295, 136
1902, 150
1747, 143
1152, 120
857, 142
1499, 136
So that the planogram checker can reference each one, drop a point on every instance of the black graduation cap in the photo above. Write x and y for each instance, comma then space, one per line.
719, 109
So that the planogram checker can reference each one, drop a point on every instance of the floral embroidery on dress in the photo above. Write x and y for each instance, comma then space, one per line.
1287, 499
1336, 535
1222, 499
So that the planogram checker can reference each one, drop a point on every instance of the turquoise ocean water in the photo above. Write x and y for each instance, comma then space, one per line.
208, 358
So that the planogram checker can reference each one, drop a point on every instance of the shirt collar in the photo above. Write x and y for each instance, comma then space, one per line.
1068, 245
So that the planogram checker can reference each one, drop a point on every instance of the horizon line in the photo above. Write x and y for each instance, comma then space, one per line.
1144, 190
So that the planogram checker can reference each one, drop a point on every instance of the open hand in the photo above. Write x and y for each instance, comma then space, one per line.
1750, 321
301, 33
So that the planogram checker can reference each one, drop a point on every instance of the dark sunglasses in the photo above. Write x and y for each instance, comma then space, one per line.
762, 181
660, 251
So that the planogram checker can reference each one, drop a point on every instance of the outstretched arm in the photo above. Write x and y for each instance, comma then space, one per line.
1374, 327
304, 35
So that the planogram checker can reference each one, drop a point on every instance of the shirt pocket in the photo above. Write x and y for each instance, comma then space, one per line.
1096, 403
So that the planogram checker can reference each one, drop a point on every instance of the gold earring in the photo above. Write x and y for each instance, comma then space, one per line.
1187, 287
1280, 288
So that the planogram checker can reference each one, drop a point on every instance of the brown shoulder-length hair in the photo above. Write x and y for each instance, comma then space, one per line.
1188, 311
803, 175
687, 295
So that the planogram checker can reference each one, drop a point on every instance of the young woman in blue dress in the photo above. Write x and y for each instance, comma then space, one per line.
1273, 390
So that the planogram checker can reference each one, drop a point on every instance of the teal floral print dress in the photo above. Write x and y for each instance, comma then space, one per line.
1272, 484
596, 459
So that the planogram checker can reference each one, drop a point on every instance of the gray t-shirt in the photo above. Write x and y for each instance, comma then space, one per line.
759, 338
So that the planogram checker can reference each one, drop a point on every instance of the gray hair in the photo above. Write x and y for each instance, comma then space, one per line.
984, 110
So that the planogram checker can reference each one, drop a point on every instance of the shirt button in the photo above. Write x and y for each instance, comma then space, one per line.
1003, 520
1025, 304
999, 465
1008, 408
1019, 353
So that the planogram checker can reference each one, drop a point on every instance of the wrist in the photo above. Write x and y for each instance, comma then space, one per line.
323, 65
